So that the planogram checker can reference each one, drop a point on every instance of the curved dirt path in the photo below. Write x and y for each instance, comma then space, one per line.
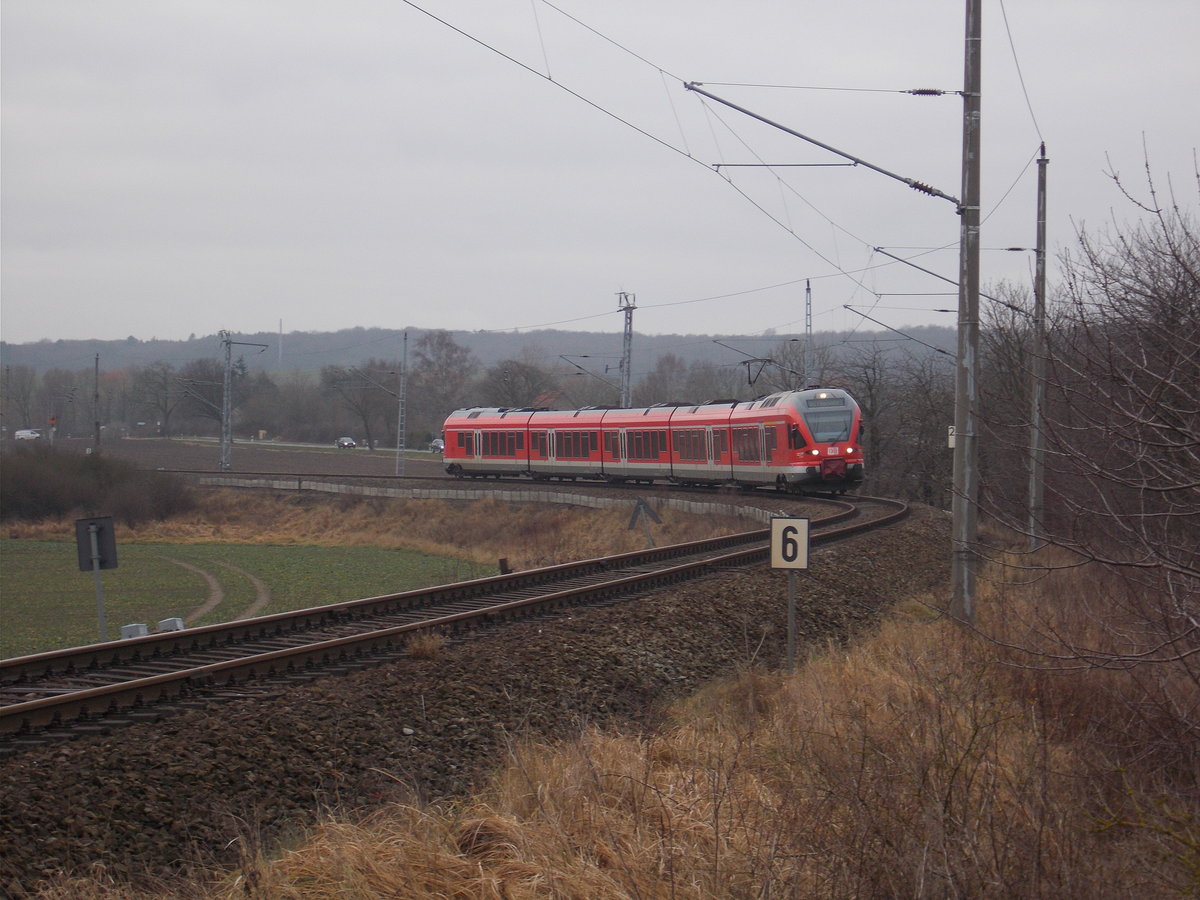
262, 594
216, 592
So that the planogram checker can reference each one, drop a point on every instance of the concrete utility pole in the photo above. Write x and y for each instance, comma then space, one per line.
965, 511
1037, 438
628, 304
227, 405
808, 335
96, 402
401, 423
227, 398
965, 508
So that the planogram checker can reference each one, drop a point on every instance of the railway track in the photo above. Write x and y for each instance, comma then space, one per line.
93, 689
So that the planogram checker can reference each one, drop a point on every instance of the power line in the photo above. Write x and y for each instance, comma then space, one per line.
1020, 77
686, 154
918, 92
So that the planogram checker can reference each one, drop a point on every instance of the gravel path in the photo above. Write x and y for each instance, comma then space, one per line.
202, 785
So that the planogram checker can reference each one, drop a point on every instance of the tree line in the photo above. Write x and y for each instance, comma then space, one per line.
1120, 417
907, 395
1121, 380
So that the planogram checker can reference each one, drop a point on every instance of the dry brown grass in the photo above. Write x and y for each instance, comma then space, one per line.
426, 645
528, 535
912, 765
925, 761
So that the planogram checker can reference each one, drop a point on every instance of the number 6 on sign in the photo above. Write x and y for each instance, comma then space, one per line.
789, 543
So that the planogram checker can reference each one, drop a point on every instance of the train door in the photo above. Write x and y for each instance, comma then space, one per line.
749, 460
468, 441
539, 453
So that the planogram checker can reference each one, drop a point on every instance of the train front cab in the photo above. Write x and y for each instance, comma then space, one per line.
830, 428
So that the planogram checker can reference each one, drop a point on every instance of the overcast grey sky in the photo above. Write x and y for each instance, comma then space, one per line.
173, 167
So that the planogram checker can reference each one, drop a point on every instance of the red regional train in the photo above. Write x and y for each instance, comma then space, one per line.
800, 441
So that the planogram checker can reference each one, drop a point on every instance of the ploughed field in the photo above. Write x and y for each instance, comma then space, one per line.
203, 785
263, 456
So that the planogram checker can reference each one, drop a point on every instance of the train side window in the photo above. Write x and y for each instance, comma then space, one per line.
772, 437
745, 444
719, 443
796, 439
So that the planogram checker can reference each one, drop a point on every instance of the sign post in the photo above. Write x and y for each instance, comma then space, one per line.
789, 550
646, 514
96, 546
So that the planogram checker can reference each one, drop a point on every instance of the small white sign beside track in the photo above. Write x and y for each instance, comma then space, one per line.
789, 543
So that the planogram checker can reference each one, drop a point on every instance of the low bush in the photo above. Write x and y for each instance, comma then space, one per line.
44, 482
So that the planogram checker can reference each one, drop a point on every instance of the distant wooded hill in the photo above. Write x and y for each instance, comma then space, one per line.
310, 351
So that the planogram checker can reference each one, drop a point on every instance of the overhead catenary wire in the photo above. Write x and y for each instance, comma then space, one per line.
683, 152
918, 92
1020, 76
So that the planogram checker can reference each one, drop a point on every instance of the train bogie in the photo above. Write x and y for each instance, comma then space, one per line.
794, 440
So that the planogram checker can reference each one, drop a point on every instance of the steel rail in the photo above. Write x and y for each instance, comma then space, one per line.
129, 695
91, 657
94, 656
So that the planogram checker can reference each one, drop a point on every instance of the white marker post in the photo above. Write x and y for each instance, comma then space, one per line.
789, 550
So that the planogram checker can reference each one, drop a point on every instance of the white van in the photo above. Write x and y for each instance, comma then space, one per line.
26, 434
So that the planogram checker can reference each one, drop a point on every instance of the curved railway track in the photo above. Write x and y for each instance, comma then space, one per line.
93, 689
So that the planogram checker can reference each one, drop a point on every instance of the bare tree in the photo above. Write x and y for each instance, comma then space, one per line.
157, 391
303, 411
117, 399
665, 383
1122, 483
203, 384
915, 462
708, 381
871, 374
513, 383
20, 383
363, 391
1123, 426
440, 370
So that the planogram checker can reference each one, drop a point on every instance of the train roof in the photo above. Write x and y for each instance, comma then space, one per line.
807, 399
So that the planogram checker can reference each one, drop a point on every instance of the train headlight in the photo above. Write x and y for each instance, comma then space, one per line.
815, 452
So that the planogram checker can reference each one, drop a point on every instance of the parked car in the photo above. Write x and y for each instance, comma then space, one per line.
26, 434
345, 443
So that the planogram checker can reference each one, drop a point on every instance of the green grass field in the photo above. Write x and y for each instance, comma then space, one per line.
46, 603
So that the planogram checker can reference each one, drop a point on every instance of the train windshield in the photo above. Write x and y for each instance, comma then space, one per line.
828, 426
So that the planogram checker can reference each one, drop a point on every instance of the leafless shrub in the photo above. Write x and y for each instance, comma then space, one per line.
1122, 428
426, 645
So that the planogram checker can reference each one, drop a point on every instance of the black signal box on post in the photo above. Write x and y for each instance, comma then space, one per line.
104, 550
